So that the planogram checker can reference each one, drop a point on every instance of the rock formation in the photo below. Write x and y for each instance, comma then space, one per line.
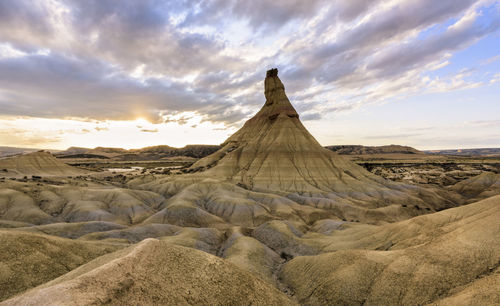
39, 163
274, 151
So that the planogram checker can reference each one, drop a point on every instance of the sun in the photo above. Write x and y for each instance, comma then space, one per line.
141, 120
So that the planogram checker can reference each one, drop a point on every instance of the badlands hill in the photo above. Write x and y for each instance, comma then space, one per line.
446, 257
467, 152
200, 151
271, 218
147, 153
29, 259
358, 149
39, 163
154, 272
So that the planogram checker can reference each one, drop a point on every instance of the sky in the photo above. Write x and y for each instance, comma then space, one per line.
130, 74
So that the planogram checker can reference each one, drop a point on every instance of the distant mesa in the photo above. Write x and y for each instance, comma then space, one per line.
361, 150
147, 153
467, 152
200, 151
39, 163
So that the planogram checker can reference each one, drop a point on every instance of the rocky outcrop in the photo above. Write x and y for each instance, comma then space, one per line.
39, 163
274, 151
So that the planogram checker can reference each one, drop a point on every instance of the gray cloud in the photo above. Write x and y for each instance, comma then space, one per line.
402, 57
24, 23
345, 58
259, 13
57, 86
178, 53
310, 116
485, 123
392, 24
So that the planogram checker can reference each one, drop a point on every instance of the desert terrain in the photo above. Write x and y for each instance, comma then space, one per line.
269, 217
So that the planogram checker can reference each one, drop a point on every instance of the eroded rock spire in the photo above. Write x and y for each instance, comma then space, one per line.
276, 100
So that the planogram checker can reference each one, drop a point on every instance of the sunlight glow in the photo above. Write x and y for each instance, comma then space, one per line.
63, 133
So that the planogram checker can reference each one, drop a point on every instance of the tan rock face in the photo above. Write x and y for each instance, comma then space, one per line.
274, 151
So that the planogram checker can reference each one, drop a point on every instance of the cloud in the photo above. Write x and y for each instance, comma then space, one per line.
485, 123
392, 136
119, 60
495, 78
58, 86
491, 60
26, 138
25, 23
149, 130
259, 13
408, 55
310, 116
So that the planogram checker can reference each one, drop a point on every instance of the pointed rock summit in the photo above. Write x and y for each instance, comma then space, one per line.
274, 151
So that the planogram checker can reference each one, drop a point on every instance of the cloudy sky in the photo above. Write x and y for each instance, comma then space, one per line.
134, 73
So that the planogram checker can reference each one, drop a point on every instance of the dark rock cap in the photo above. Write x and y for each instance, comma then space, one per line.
272, 73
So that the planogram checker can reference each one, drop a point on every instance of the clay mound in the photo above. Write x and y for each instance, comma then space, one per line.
251, 255
155, 272
72, 230
484, 291
28, 259
203, 239
479, 187
135, 233
30, 203
40, 163
208, 202
420, 261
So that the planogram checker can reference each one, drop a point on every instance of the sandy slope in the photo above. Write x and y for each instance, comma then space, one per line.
155, 272
28, 259
34, 203
444, 251
38, 163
